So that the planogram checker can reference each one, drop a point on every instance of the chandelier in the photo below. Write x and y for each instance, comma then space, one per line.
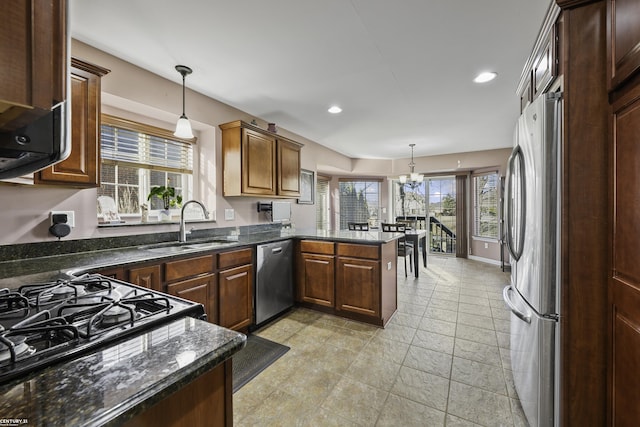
414, 177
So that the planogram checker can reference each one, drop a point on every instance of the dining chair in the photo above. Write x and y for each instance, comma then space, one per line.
358, 226
405, 249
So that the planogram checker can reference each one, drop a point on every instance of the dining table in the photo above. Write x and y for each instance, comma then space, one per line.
415, 237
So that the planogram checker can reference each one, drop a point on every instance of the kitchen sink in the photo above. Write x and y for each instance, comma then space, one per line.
176, 247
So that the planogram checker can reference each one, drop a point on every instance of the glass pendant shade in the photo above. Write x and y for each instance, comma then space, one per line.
183, 128
403, 179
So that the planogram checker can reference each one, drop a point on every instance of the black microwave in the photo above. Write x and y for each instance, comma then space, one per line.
35, 146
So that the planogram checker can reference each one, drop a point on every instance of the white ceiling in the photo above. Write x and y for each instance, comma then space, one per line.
401, 70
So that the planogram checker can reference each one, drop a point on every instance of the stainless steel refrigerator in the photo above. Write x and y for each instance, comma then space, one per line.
532, 204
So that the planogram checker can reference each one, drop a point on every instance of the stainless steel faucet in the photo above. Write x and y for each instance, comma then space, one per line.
183, 230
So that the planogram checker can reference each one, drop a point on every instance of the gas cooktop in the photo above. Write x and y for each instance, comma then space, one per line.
45, 323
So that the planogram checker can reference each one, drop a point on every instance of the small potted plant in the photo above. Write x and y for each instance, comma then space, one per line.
169, 199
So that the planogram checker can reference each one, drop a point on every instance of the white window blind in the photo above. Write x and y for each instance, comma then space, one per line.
144, 150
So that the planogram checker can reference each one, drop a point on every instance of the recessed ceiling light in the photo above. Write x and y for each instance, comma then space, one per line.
485, 77
335, 109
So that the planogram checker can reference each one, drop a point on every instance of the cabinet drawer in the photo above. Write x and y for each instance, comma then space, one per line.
358, 251
190, 267
313, 246
233, 258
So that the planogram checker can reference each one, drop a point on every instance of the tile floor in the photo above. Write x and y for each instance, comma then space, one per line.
443, 360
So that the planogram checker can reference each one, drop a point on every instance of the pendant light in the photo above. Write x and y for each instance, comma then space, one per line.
183, 127
414, 177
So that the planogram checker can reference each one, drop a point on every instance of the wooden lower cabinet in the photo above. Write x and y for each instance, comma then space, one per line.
358, 286
147, 277
236, 297
317, 284
348, 279
117, 273
207, 401
201, 289
194, 279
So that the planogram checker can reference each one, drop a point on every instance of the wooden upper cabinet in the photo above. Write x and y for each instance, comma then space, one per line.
258, 163
33, 54
543, 65
82, 167
288, 168
623, 40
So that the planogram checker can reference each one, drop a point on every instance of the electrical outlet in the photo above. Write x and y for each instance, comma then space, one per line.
486, 246
71, 217
229, 214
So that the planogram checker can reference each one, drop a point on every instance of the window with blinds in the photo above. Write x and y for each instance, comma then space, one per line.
322, 203
486, 198
137, 157
359, 202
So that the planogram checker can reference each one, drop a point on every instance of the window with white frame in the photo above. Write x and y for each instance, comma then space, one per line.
359, 202
137, 157
486, 199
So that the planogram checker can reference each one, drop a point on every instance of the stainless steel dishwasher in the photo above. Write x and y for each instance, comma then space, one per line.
274, 279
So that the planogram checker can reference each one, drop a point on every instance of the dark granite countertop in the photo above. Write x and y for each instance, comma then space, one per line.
116, 382
44, 268
119, 381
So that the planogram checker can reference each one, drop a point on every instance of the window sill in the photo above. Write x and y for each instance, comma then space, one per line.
149, 223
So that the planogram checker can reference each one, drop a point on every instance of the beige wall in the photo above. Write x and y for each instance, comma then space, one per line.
131, 92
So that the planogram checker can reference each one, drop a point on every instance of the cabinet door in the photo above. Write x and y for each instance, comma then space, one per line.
33, 54
544, 64
258, 163
624, 294
358, 286
147, 277
288, 169
82, 167
208, 397
201, 289
318, 284
624, 40
236, 297
117, 273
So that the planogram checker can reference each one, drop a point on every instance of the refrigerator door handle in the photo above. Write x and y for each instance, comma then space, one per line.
512, 306
516, 248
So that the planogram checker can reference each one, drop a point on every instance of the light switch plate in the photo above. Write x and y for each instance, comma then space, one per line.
229, 214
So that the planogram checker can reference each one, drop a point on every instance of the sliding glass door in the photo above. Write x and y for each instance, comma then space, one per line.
442, 214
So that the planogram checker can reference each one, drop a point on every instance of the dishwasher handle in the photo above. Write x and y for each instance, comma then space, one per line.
512, 306
276, 250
